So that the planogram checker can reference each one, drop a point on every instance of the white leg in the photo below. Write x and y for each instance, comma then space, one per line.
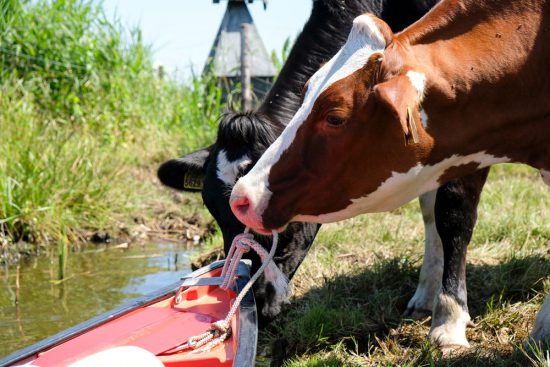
421, 304
449, 323
541, 329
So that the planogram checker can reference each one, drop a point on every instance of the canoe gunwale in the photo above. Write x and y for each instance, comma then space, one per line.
246, 353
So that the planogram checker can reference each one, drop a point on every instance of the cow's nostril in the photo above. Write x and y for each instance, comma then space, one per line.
240, 205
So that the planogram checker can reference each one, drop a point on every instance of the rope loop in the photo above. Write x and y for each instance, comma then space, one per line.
220, 330
243, 247
242, 243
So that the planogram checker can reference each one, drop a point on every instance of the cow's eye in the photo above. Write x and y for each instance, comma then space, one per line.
243, 169
334, 120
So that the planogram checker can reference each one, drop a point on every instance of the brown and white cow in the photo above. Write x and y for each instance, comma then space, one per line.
390, 117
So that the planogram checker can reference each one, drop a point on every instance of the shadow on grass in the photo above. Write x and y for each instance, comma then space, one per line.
363, 311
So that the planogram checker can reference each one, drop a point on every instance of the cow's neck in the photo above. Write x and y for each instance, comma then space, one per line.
486, 86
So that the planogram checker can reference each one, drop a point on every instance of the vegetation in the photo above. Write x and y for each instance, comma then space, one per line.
85, 121
349, 293
279, 60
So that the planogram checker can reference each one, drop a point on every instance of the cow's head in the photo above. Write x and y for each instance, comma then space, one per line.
359, 126
213, 171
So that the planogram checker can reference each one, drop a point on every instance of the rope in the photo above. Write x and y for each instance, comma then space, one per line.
220, 330
241, 244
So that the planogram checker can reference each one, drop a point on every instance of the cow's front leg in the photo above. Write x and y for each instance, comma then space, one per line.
541, 329
429, 282
271, 289
456, 215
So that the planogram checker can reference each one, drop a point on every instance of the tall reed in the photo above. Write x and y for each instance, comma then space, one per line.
81, 111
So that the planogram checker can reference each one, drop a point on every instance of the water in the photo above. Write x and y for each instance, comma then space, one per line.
96, 279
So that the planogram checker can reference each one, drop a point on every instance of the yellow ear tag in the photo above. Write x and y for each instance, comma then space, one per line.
412, 125
192, 180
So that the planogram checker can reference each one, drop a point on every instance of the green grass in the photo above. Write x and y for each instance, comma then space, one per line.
85, 121
349, 293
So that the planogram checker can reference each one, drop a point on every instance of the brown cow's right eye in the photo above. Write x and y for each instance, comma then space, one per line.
334, 120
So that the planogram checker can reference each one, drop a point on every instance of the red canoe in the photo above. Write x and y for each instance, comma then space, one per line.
144, 329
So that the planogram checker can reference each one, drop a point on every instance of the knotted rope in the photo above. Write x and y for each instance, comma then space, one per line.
241, 244
220, 330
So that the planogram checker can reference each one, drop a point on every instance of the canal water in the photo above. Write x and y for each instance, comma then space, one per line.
47, 294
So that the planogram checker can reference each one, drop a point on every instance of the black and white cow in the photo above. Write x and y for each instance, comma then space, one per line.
243, 137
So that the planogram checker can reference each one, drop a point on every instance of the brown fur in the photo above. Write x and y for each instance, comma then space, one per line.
487, 89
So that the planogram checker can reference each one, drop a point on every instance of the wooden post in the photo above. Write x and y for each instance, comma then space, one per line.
161, 72
246, 67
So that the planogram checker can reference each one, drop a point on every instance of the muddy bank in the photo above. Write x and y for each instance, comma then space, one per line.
163, 215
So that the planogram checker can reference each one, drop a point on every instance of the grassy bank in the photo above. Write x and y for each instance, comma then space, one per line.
349, 293
85, 121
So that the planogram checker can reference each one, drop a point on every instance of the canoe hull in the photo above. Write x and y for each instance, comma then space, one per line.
155, 323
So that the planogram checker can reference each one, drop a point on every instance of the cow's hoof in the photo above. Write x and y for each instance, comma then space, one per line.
541, 329
449, 337
449, 324
415, 313
420, 305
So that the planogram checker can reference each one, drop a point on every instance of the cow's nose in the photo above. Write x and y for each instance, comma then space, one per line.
243, 206
240, 204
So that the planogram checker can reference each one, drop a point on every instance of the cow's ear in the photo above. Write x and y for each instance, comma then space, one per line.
185, 173
401, 98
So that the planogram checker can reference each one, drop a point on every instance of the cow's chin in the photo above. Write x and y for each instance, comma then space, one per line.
254, 221
268, 232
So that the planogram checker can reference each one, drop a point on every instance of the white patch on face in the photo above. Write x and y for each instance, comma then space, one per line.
364, 40
545, 176
227, 170
424, 118
418, 81
400, 188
